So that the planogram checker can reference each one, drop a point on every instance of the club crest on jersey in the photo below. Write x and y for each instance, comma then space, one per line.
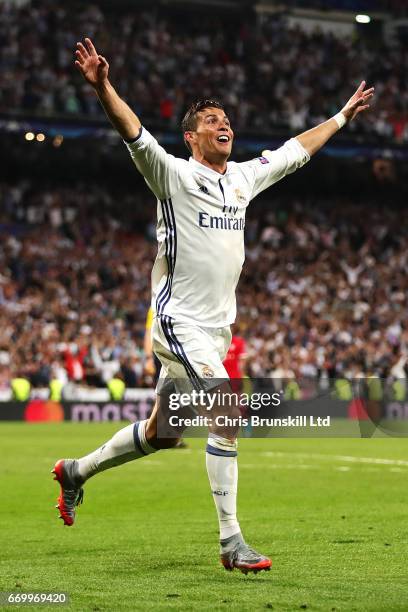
263, 160
240, 197
208, 372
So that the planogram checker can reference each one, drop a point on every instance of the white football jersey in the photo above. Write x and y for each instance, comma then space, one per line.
200, 226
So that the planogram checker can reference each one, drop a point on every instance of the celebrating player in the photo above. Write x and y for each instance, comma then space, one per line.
200, 230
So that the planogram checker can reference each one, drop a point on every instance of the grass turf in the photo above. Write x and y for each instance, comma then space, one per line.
330, 514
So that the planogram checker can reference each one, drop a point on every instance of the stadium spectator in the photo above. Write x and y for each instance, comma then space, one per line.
267, 74
324, 290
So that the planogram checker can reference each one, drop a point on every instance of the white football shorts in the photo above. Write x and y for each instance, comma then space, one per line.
191, 356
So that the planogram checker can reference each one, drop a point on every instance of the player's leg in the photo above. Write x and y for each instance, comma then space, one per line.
222, 468
132, 442
199, 352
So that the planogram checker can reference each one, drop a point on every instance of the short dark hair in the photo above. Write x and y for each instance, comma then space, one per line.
189, 122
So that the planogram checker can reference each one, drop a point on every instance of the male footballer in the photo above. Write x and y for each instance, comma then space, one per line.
201, 206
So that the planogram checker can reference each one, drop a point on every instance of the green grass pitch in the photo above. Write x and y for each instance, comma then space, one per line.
331, 513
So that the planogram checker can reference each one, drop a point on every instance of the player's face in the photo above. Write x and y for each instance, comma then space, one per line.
213, 135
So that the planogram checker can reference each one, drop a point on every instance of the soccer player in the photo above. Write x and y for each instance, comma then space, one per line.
234, 363
200, 230
151, 364
234, 360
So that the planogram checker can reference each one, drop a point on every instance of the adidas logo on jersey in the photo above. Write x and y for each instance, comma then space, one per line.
203, 189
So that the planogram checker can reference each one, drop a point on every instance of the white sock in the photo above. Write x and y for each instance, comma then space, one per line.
222, 468
126, 445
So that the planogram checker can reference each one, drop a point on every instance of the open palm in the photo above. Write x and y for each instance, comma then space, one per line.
358, 102
93, 67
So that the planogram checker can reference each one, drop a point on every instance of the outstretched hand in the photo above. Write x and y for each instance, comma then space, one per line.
93, 67
358, 102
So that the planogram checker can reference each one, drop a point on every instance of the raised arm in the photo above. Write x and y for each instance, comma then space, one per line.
316, 138
160, 169
94, 68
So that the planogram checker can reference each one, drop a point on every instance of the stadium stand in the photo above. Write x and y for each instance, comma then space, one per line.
324, 289
268, 75
398, 7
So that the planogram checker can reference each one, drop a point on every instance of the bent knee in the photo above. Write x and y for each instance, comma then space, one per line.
151, 429
159, 442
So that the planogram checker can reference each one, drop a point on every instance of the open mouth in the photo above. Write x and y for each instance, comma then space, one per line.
223, 138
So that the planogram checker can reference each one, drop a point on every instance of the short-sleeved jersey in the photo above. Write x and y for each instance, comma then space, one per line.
200, 226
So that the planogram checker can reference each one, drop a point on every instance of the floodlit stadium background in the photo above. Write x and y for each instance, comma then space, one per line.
323, 294
324, 291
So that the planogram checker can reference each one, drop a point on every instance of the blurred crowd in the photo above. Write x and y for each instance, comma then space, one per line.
267, 74
324, 291
74, 285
